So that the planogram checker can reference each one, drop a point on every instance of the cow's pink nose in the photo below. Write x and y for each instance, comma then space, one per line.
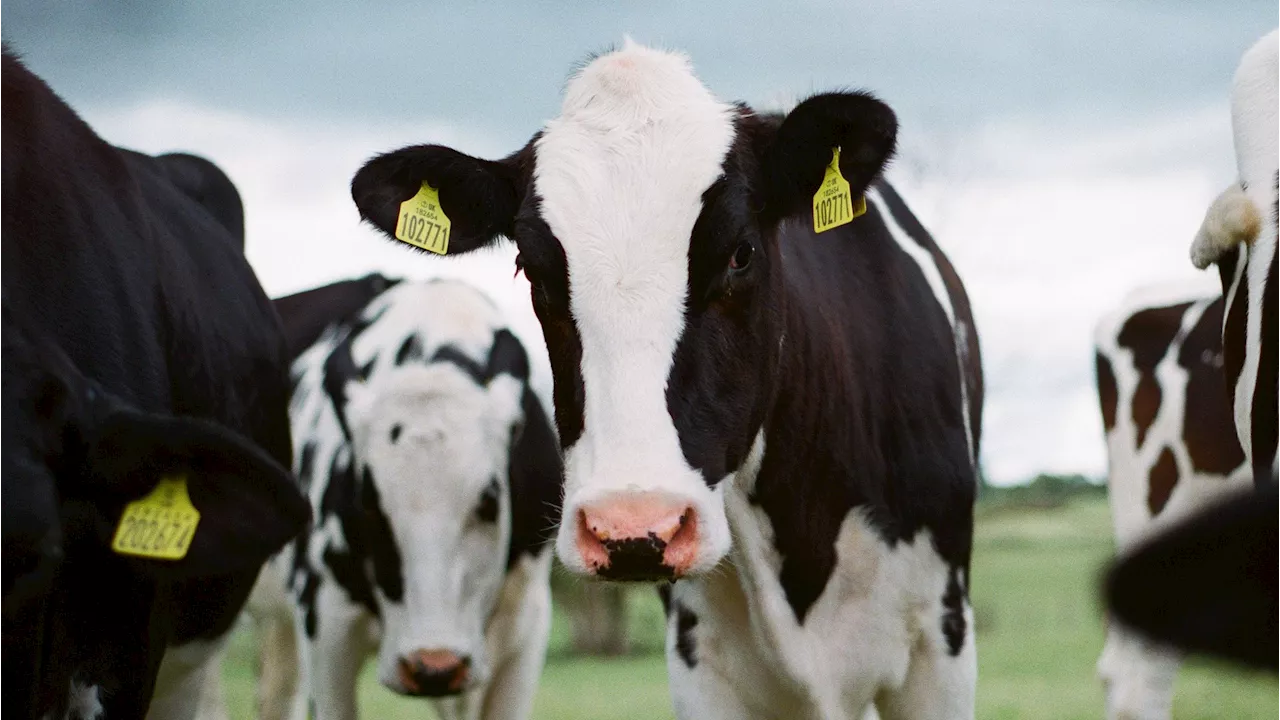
638, 536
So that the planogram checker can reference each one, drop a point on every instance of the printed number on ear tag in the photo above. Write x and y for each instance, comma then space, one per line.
422, 222
160, 525
833, 203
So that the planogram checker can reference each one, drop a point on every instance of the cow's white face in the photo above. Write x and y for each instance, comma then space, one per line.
621, 176
434, 448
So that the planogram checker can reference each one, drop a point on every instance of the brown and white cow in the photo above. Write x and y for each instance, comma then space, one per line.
1170, 449
782, 421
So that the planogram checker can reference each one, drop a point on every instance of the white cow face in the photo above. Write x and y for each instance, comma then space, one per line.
432, 448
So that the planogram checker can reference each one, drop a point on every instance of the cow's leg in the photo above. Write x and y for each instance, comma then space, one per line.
278, 662
335, 654
184, 675
1138, 677
939, 685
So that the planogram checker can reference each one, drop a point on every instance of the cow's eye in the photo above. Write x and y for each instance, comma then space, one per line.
395, 432
741, 257
487, 508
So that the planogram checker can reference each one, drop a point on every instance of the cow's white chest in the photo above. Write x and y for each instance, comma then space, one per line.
856, 640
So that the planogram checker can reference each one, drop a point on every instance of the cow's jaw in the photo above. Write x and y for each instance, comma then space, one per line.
621, 175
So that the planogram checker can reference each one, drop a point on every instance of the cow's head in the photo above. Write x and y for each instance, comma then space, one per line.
432, 447
647, 219
75, 456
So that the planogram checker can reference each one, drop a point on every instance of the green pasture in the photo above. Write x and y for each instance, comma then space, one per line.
1039, 635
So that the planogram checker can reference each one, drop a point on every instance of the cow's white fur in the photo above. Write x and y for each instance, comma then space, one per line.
454, 439
621, 174
1232, 219
1254, 100
1139, 675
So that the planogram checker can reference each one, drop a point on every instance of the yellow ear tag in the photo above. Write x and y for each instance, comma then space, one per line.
160, 525
422, 222
833, 203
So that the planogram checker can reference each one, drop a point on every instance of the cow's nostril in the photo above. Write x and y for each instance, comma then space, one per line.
642, 537
433, 673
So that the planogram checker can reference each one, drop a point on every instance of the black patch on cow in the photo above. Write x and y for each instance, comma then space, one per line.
383, 550
664, 596
507, 355
686, 643
410, 350
536, 477
1160, 483
307, 599
347, 562
1108, 395
452, 354
1208, 427
1262, 413
340, 368
1148, 334
953, 622
306, 463
1234, 326
487, 508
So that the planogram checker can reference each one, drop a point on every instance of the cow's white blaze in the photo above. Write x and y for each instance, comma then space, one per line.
621, 173
1254, 108
451, 439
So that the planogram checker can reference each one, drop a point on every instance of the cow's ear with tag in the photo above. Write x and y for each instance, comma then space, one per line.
186, 497
795, 155
1206, 584
479, 198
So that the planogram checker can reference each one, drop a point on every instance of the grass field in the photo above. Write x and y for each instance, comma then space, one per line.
1039, 635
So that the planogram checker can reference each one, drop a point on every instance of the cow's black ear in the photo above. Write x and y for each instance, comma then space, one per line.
796, 158
1207, 585
249, 504
480, 197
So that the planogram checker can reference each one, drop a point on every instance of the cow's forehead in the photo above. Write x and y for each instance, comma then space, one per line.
621, 172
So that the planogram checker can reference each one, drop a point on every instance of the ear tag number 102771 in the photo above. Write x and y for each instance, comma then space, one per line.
160, 525
833, 203
422, 222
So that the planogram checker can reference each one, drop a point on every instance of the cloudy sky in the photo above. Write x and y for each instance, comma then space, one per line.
1061, 152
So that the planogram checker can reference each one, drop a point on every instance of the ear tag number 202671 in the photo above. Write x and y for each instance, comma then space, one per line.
422, 222
160, 525
833, 203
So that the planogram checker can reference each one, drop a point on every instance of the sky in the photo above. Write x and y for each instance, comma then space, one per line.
1062, 153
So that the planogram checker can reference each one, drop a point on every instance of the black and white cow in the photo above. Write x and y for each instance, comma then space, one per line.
138, 346
434, 477
307, 314
784, 421
1171, 450
1239, 235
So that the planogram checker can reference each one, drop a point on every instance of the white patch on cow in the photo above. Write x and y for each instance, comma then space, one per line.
1232, 219
933, 276
1139, 675
187, 674
621, 173
1255, 97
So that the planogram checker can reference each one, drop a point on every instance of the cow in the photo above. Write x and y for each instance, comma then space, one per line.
434, 477
1171, 450
781, 422
146, 436
1238, 234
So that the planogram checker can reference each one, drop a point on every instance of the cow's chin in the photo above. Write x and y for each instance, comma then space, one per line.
643, 536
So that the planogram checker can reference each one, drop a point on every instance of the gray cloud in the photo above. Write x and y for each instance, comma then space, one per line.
498, 66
